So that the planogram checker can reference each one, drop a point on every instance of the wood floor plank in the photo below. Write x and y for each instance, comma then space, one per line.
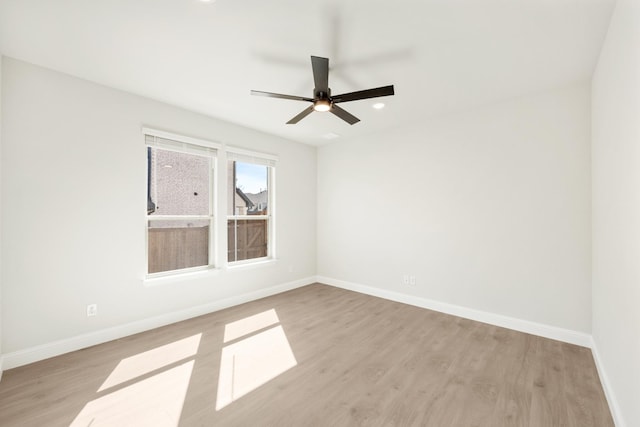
359, 360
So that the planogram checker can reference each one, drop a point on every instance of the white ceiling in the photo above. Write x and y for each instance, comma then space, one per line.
441, 55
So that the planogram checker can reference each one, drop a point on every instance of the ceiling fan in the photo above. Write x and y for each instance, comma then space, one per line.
322, 99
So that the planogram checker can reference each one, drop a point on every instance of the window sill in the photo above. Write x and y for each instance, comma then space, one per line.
179, 277
246, 265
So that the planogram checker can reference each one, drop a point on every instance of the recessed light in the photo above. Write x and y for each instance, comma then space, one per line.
330, 135
167, 166
378, 105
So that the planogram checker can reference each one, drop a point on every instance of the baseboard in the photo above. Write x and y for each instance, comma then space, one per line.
606, 386
552, 332
45, 351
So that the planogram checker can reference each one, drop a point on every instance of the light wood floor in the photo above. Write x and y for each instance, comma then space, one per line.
337, 358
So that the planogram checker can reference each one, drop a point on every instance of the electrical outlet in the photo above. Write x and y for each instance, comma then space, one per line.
412, 280
405, 279
92, 310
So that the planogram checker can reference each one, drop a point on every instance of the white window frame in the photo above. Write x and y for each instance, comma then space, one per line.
248, 156
155, 138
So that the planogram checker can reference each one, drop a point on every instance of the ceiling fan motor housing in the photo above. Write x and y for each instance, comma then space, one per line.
320, 94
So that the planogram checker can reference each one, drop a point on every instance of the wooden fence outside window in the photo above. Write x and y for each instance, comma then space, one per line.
185, 247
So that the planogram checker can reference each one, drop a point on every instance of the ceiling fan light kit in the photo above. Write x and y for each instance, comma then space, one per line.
322, 100
322, 105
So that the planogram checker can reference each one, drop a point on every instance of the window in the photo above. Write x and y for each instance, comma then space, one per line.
250, 205
180, 203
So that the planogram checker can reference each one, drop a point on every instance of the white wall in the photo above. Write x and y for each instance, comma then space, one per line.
74, 205
616, 211
489, 209
1, 359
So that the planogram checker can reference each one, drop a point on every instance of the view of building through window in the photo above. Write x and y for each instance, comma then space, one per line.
178, 210
180, 205
247, 210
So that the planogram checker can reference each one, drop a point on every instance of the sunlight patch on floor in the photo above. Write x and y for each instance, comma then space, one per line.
143, 363
251, 362
154, 402
250, 324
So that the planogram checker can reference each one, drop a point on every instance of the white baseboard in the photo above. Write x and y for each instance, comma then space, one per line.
56, 348
606, 386
553, 332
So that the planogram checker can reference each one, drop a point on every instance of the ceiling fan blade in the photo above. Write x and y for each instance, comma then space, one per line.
364, 94
320, 73
344, 115
281, 96
301, 116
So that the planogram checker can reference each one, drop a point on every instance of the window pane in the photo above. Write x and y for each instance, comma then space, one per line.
247, 239
178, 244
178, 183
248, 192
